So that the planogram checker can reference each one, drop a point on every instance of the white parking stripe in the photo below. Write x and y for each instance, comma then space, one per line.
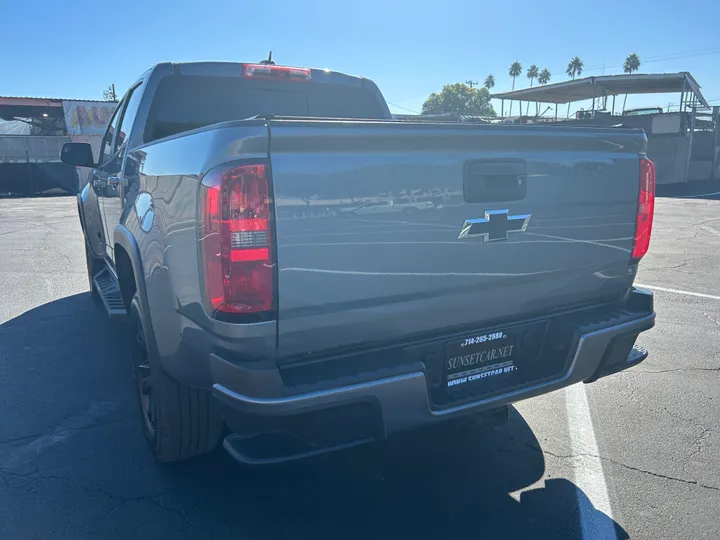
678, 291
592, 495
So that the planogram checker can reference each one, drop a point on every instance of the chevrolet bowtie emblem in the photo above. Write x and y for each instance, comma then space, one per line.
494, 226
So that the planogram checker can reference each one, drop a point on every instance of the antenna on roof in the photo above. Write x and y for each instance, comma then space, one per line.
269, 60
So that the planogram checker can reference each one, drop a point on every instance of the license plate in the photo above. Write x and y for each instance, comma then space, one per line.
493, 359
480, 357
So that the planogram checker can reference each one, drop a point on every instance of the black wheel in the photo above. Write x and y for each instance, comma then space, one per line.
93, 265
179, 422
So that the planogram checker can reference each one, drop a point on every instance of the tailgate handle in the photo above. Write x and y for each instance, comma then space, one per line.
494, 180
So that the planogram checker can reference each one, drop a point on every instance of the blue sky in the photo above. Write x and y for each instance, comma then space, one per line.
410, 48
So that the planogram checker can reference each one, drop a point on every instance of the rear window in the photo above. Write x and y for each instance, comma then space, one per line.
185, 102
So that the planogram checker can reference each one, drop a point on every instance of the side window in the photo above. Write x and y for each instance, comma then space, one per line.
128, 117
105, 146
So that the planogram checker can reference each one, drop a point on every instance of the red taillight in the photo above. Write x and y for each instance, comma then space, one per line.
279, 73
236, 241
646, 208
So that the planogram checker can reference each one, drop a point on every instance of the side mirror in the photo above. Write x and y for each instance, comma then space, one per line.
77, 154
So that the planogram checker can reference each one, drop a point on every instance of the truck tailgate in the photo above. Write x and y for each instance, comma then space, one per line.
389, 231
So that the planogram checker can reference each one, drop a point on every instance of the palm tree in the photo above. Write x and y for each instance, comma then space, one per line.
574, 68
632, 63
489, 82
532, 74
543, 79
515, 71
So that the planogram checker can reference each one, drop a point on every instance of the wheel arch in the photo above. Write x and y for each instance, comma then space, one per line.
81, 213
129, 267
125, 275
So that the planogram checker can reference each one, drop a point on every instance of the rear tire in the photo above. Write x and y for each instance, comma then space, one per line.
179, 422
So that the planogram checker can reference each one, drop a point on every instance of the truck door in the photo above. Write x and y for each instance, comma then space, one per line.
99, 179
115, 192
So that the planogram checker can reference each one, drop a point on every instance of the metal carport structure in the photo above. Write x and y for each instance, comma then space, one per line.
604, 86
683, 146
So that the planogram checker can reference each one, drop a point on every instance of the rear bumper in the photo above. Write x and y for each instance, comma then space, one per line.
402, 401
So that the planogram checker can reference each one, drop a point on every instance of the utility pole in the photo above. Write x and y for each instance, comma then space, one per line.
109, 94
471, 83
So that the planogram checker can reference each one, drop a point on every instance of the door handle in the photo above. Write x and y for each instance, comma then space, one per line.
113, 180
494, 180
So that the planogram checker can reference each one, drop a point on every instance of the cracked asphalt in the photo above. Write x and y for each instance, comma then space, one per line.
73, 463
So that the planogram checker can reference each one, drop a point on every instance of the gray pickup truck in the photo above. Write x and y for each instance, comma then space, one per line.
303, 270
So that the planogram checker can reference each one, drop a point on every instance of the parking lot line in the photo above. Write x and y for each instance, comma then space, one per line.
592, 494
678, 291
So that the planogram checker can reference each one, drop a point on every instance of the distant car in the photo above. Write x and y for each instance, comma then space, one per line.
385, 207
645, 110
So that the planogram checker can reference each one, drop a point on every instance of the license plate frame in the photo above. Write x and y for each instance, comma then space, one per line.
491, 360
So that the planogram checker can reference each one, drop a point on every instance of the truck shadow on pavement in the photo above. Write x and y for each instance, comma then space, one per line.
413, 486
73, 463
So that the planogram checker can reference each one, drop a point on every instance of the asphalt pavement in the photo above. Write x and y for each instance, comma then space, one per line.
634, 455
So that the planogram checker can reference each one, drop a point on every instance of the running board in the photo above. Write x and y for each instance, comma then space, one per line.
108, 288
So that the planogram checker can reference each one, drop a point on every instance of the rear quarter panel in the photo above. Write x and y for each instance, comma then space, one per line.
170, 171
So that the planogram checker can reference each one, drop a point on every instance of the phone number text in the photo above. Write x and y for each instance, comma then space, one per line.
483, 339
